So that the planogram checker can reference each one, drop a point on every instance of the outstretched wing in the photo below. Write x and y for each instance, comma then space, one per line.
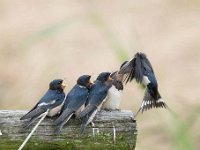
127, 70
136, 68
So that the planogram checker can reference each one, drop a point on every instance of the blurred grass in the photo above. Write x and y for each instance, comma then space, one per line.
180, 130
50, 30
112, 40
95, 19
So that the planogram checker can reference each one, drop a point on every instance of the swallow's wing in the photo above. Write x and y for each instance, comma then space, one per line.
48, 101
136, 68
146, 63
89, 108
127, 69
96, 96
75, 99
88, 118
34, 113
25, 116
63, 119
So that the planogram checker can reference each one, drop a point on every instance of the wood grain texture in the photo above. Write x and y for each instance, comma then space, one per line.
115, 128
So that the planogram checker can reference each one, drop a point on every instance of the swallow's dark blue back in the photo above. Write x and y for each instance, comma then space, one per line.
76, 97
98, 93
51, 95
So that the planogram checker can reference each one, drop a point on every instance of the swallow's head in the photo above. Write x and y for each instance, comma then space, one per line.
84, 80
116, 76
57, 84
104, 77
117, 80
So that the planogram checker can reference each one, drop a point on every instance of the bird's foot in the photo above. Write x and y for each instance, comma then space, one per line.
116, 109
106, 109
92, 124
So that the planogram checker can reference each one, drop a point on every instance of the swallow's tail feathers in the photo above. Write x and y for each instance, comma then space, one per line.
89, 108
149, 102
34, 113
88, 118
28, 123
65, 116
84, 124
63, 119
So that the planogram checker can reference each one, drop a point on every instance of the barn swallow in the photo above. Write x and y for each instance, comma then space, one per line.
140, 69
75, 101
50, 102
96, 97
114, 93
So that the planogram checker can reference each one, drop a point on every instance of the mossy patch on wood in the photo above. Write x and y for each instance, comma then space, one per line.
100, 141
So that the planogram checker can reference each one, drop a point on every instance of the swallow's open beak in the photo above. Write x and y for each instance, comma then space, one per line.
110, 79
63, 85
119, 77
90, 83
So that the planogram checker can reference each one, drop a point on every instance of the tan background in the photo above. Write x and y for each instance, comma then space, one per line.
42, 40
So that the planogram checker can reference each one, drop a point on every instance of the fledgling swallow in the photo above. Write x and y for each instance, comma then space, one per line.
114, 93
96, 97
140, 69
50, 102
75, 101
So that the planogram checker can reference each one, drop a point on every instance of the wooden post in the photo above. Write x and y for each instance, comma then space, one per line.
113, 130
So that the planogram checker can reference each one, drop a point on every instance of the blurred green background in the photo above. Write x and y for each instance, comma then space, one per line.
42, 40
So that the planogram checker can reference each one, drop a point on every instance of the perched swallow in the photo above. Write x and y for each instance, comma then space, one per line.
75, 101
140, 69
114, 93
96, 97
50, 102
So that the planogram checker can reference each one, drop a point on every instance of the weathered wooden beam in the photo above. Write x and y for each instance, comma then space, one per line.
113, 130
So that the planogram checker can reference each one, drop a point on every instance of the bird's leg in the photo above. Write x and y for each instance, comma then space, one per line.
74, 116
92, 124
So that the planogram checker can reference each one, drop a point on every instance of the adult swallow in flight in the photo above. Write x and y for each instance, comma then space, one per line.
50, 102
140, 69
75, 101
96, 97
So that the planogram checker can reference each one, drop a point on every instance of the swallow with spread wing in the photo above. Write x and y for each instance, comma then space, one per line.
75, 101
51, 102
96, 97
140, 69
